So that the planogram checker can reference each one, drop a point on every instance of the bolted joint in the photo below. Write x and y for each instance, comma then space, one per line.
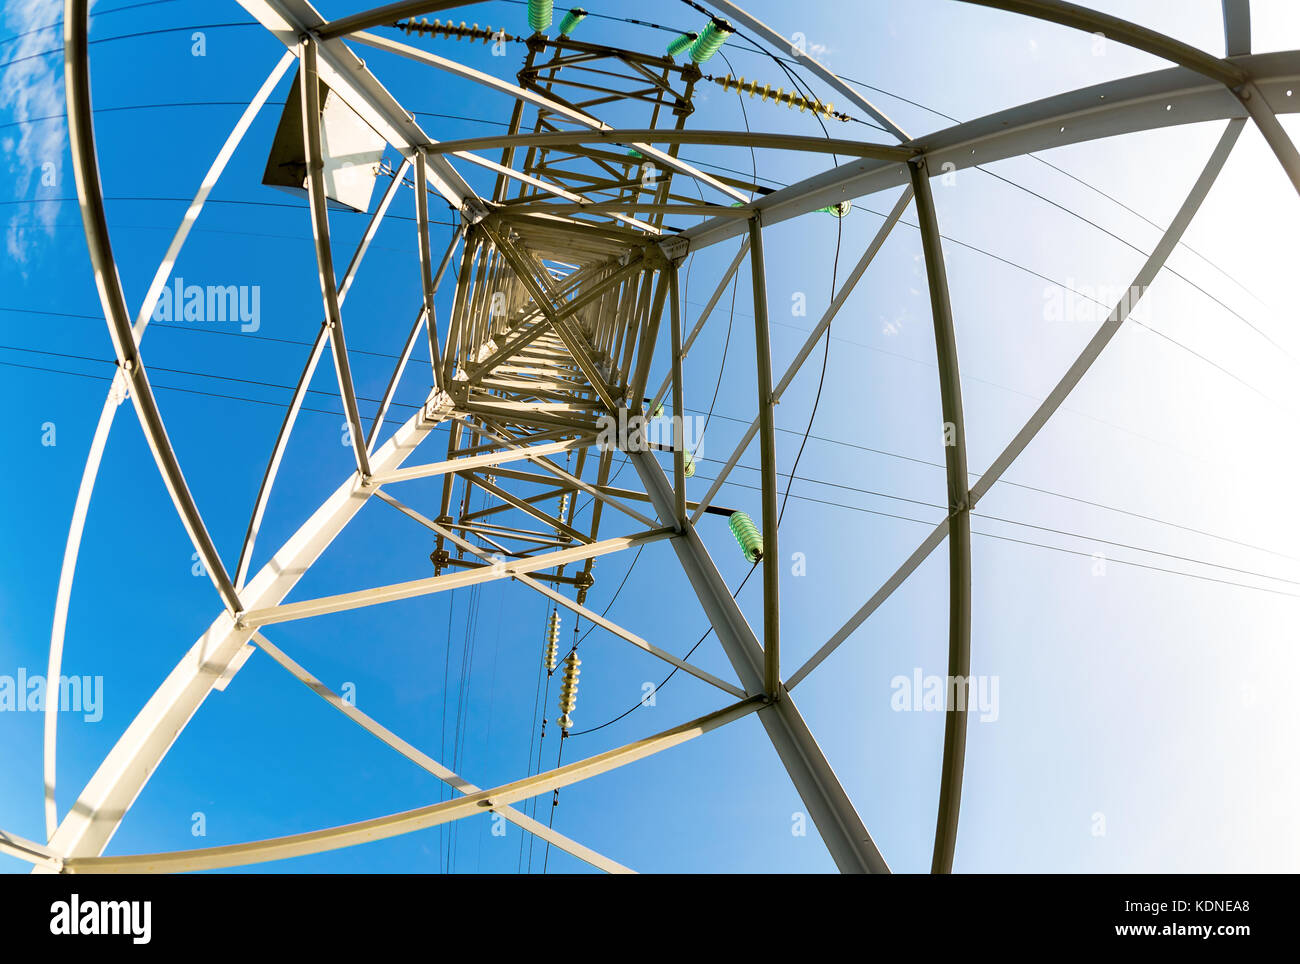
473, 210
439, 406
583, 581
674, 249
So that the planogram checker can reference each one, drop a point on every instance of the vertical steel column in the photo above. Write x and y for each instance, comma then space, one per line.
954, 728
646, 343
320, 225
1236, 27
767, 444
704, 315
426, 266
458, 304
679, 405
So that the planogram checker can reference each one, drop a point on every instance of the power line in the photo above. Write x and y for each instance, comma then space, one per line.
1032, 488
184, 371
1010, 263
988, 535
757, 49
97, 14
839, 505
131, 36
470, 641
782, 62
1030, 525
806, 435
711, 413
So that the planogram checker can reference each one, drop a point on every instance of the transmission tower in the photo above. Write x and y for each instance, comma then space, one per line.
565, 277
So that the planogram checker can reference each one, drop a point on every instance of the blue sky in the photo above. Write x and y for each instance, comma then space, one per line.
1158, 700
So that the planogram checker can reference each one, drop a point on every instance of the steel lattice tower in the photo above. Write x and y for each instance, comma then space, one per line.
564, 277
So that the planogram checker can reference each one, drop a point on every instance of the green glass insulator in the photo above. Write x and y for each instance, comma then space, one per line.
678, 44
571, 20
747, 534
837, 210
540, 13
708, 43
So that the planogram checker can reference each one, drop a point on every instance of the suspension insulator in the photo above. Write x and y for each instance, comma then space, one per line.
839, 209
539, 14
715, 34
571, 20
451, 30
658, 412
552, 641
678, 44
569, 690
690, 465
791, 99
747, 534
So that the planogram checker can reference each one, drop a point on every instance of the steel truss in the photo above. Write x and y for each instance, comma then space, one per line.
562, 281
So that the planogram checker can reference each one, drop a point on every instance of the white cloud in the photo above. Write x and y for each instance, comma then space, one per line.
30, 89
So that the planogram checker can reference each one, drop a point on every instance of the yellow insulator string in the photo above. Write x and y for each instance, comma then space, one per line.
790, 98
454, 31
552, 640
569, 689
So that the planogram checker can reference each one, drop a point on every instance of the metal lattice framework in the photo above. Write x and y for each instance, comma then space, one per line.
564, 276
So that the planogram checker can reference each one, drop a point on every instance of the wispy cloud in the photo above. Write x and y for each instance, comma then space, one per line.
31, 94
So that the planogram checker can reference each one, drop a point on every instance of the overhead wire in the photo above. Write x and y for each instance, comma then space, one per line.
711, 414
807, 433
808, 430
97, 13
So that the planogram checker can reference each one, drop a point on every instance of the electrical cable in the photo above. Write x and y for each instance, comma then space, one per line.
470, 640
713, 414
